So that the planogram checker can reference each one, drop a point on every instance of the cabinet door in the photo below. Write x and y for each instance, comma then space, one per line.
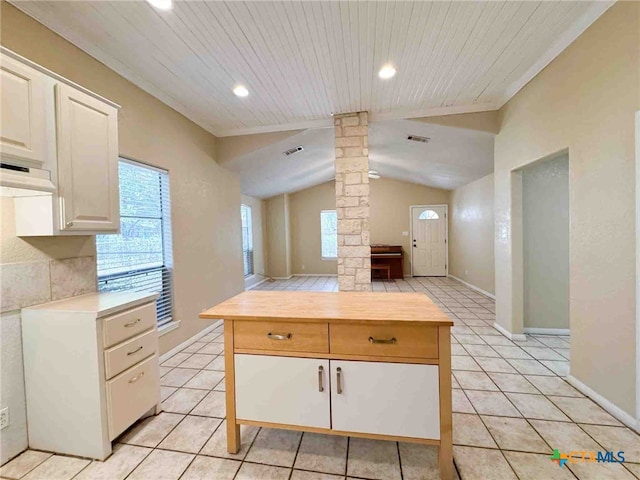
23, 130
87, 131
293, 391
385, 398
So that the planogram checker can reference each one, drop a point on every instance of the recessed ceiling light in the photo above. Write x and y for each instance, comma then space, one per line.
161, 4
241, 91
386, 72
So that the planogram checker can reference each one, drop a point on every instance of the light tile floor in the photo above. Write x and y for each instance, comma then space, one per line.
511, 408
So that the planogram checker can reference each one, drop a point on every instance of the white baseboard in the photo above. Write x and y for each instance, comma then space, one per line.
251, 287
473, 287
517, 337
546, 331
189, 341
624, 417
283, 278
315, 274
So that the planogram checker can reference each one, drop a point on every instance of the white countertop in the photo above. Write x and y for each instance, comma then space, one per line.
99, 303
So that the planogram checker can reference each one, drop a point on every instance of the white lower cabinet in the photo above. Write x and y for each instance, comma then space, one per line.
293, 391
395, 399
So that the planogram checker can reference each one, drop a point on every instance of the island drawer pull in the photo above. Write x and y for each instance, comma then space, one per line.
131, 324
279, 336
377, 340
339, 380
320, 375
135, 351
137, 377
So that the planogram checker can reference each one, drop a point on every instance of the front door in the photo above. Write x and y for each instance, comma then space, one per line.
429, 242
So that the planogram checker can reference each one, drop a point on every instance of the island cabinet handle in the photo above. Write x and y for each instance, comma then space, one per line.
378, 340
135, 351
131, 324
279, 336
320, 375
339, 380
136, 378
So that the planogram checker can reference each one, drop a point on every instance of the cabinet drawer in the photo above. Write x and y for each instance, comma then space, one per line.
131, 394
123, 356
128, 324
281, 336
409, 341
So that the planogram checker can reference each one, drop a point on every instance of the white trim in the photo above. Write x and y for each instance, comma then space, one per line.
446, 233
254, 285
610, 407
473, 287
637, 134
432, 111
168, 327
546, 331
516, 337
189, 341
283, 278
315, 275
574, 31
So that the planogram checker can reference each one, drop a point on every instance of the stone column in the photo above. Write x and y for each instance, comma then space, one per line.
352, 201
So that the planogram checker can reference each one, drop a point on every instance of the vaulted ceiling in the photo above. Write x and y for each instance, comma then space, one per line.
304, 60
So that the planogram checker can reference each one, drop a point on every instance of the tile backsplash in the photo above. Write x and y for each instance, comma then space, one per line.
24, 284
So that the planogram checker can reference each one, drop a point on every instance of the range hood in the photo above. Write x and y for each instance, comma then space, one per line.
19, 181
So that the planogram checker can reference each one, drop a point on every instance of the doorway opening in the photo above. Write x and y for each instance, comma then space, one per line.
429, 241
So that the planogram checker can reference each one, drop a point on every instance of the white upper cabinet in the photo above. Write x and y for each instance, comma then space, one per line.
87, 136
69, 133
22, 130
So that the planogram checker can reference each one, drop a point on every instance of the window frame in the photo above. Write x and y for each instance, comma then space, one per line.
249, 228
322, 235
167, 292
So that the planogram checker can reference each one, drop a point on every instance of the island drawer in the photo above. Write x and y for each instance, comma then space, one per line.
281, 336
409, 341
129, 323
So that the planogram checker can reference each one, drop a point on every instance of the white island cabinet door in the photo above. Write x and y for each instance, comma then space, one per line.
87, 131
293, 391
22, 130
385, 398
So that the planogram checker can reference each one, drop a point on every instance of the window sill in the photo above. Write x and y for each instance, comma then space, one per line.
168, 327
329, 259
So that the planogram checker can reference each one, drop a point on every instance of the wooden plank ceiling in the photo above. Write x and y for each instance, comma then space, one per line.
304, 60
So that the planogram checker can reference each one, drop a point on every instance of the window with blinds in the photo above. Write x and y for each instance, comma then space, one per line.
329, 234
247, 239
140, 257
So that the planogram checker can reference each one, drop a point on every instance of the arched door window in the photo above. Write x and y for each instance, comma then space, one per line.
428, 215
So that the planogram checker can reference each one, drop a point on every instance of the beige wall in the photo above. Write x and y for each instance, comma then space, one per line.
545, 232
584, 101
258, 229
205, 198
390, 201
471, 234
305, 207
278, 244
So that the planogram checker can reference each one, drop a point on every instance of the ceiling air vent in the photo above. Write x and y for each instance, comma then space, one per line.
416, 138
293, 150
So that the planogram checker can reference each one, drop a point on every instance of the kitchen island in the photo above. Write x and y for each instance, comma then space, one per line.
372, 365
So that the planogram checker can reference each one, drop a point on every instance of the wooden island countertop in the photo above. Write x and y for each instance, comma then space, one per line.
378, 307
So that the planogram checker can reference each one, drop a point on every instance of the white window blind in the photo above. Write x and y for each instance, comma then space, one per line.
247, 239
329, 234
140, 257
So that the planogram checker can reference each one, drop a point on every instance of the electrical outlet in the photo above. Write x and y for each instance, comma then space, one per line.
4, 418
302, 267
466, 272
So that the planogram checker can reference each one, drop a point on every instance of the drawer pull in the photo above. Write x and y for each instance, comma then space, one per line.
131, 324
135, 351
377, 340
320, 375
137, 377
279, 336
339, 380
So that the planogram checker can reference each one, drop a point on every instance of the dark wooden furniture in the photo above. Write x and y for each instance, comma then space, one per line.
390, 255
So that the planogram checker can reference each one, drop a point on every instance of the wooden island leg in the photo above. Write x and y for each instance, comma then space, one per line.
233, 429
445, 454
